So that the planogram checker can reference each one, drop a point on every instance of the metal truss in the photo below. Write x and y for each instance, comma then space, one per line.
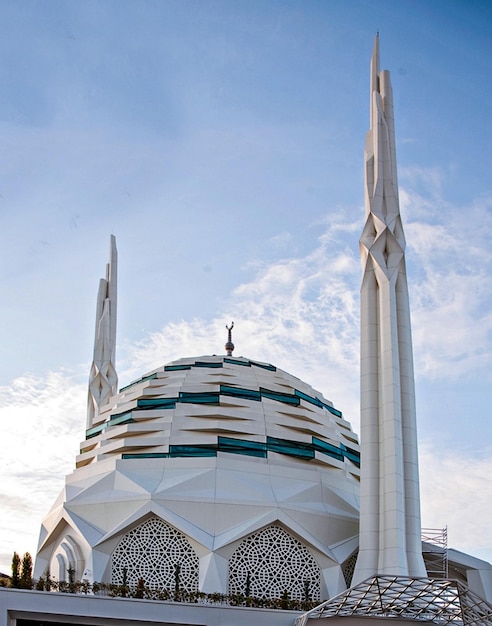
420, 599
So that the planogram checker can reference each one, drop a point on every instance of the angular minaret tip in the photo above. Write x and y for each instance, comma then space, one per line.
375, 65
103, 380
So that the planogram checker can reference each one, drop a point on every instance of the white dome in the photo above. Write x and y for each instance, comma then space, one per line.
208, 458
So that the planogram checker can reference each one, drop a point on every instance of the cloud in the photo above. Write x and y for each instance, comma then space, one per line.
450, 264
42, 424
456, 492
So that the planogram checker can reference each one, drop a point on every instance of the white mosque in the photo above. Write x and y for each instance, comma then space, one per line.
225, 477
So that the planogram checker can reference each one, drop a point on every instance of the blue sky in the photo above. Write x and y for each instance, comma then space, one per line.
222, 143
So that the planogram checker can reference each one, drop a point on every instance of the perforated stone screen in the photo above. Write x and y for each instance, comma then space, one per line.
151, 551
276, 562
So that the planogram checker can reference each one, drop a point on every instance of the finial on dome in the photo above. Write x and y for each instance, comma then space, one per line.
229, 345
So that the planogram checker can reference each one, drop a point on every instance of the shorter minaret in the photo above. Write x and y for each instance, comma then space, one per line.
390, 534
103, 380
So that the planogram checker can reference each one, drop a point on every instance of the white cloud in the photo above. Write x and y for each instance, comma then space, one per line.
42, 424
456, 491
450, 265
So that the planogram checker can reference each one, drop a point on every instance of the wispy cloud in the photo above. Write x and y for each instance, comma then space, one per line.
42, 425
456, 492
450, 264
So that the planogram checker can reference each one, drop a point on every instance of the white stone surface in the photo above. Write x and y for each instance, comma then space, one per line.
390, 502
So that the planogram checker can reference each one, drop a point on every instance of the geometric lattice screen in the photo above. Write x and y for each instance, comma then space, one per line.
151, 551
276, 562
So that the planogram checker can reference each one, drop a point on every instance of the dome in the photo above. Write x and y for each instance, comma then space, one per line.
229, 469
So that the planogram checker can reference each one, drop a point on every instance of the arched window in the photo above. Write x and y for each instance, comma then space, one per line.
155, 552
270, 562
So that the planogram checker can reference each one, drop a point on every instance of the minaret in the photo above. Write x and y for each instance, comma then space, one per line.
103, 380
390, 533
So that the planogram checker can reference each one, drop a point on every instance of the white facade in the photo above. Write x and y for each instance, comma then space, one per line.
223, 465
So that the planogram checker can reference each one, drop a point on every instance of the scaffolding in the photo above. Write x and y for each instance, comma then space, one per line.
435, 551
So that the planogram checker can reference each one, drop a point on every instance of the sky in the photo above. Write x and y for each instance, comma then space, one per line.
221, 142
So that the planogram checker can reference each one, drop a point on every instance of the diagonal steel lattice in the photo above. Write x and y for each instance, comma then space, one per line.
420, 599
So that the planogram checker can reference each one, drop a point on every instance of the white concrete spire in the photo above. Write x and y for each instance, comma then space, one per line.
103, 380
390, 541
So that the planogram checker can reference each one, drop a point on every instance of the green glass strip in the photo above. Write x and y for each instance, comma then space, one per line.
292, 448
192, 451
236, 362
237, 392
120, 418
240, 446
351, 454
265, 366
328, 448
318, 402
199, 398
310, 399
141, 380
157, 403
257, 449
287, 398
94, 431
176, 368
213, 365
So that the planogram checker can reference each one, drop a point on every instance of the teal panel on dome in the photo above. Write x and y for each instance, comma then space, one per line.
352, 455
156, 403
318, 402
265, 366
292, 448
310, 399
199, 398
287, 398
176, 368
240, 446
140, 380
212, 364
94, 431
121, 418
328, 448
237, 362
238, 392
186, 451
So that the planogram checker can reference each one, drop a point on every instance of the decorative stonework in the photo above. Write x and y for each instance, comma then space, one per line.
276, 562
152, 551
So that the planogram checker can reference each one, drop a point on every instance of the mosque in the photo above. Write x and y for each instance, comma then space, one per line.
216, 479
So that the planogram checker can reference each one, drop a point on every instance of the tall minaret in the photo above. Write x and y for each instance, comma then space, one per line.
390, 533
103, 380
